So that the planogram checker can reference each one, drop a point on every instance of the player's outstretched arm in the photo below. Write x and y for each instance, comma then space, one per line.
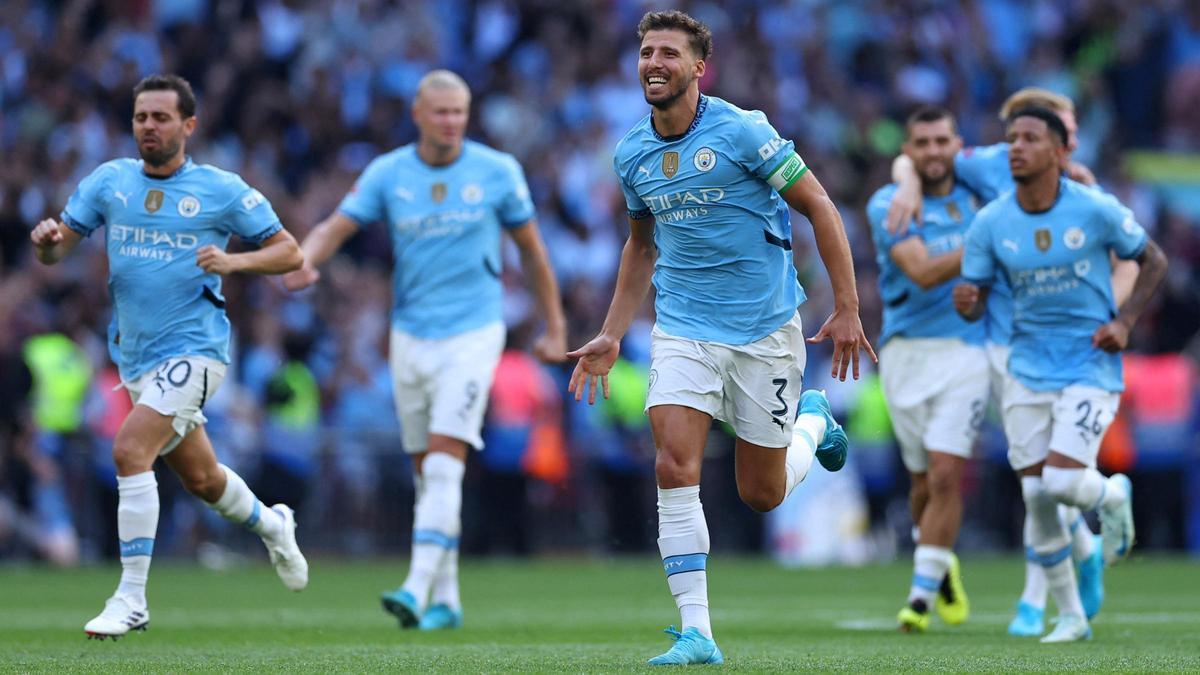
278, 254
907, 204
1152, 267
912, 257
844, 326
551, 347
596, 357
320, 245
52, 241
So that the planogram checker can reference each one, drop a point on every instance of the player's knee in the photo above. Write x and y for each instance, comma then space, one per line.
671, 470
131, 456
207, 483
943, 479
1061, 484
761, 498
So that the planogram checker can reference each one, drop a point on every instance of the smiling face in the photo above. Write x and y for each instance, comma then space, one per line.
667, 67
932, 147
159, 128
1033, 149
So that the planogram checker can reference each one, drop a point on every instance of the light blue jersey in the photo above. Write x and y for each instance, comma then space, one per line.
984, 170
724, 271
1061, 274
908, 309
445, 223
164, 305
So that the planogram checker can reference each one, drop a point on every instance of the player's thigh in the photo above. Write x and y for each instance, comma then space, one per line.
141, 437
458, 402
177, 389
411, 391
1028, 420
759, 472
194, 461
680, 434
1081, 416
762, 386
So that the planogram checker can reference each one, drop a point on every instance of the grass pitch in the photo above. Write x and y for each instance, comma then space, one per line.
581, 616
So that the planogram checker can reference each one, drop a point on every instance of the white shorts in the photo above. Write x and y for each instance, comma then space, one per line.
754, 387
1071, 422
936, 391
441, 385
179, 388
997, 355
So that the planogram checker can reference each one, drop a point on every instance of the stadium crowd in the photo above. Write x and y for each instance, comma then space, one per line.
298, 96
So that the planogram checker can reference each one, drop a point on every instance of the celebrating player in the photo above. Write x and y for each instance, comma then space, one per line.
445, 200
985, 170
708, 186
932, 364
1053, 239
168, 222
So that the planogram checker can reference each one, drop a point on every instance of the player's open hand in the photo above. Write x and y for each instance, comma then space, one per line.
551, 347
906, 207
966, 296
596, 358
845, 329
46, 234
215, 261
1112, 337
308, 275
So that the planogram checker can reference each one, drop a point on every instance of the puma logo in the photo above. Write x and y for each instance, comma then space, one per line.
644, 170
1009, 243
122, 196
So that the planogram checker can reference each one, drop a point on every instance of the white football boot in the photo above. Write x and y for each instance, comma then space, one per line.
1070, 628
122, 613
285, 553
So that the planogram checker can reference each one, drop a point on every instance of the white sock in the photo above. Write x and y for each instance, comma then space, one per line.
683, 544
445, 583
1035, 577
437, 521
930, 564
238, 504
1052, 546
1082, 542
137, 521
799, 457
1087, 489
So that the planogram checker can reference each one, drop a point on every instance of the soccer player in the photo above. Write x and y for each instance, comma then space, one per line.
445, 200
985, 170
708, 186
932, 364
168, 221
1053, 239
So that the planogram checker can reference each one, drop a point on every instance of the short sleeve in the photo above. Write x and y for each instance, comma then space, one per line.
762, 152
85, 209
877, 209
250, 215
516, 207
636, 208
979, 260
1124, 235
365, 203
984, 169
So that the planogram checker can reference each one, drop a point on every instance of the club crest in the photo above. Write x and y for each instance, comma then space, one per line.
1074, 238
1042, 239
189, 206
705, 159
154, 201
670, 164
438, 192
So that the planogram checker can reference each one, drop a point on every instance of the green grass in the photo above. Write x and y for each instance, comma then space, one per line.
581, 616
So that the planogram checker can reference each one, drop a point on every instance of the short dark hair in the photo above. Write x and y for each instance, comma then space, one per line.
185, 98
699, 36
1051, 118
929, 113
